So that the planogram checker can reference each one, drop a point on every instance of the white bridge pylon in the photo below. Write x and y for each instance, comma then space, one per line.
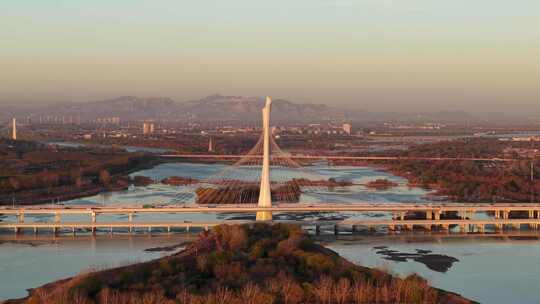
265, 175
265, 194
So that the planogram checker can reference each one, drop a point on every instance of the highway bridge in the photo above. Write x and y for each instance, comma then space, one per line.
400, 217
337, 157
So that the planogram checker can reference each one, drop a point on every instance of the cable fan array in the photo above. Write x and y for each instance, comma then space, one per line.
240, 182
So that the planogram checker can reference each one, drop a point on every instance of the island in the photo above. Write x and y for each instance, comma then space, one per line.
246, 193
381, 184
179, 181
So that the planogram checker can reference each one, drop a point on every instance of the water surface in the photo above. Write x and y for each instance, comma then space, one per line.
32, 262
488, 270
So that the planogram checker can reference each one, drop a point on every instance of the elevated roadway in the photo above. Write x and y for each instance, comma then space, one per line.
291, 208
335, 157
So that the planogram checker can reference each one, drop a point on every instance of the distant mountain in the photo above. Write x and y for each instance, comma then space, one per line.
211, 108
126, 107
227, 108
249, 109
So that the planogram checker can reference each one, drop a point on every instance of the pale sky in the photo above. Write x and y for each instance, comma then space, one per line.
374, 54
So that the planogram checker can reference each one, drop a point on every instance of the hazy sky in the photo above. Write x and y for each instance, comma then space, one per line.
375, 54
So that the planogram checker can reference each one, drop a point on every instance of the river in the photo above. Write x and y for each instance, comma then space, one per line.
487, 270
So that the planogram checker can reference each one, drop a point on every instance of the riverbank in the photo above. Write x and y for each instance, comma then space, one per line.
269, 263
51, 176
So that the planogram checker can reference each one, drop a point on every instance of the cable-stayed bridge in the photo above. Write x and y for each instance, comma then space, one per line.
260, 182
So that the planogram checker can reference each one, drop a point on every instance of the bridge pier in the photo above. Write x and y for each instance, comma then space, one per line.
20, 217
408, 227
57, 217
130, 217
480, 228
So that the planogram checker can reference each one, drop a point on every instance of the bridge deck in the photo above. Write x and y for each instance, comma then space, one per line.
89, 225
433, 215
372, 207
337, 157
181, 224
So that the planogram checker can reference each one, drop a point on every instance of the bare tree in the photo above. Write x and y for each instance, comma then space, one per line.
323, 290
291, 291
342, 290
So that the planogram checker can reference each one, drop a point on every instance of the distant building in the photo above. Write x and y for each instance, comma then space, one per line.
211, 144
347, 128
108, 120
14, 129
526, 138
148, 128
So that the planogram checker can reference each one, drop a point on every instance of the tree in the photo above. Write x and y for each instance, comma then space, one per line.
104, 177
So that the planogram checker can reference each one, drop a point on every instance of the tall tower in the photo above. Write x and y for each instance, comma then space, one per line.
211, 144
265, 195
148, 128
14, 129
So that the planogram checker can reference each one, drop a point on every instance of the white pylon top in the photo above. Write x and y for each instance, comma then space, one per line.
268, 101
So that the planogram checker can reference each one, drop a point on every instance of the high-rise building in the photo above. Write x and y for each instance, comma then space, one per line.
148, 128
14, 129
347, 128
211, 144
